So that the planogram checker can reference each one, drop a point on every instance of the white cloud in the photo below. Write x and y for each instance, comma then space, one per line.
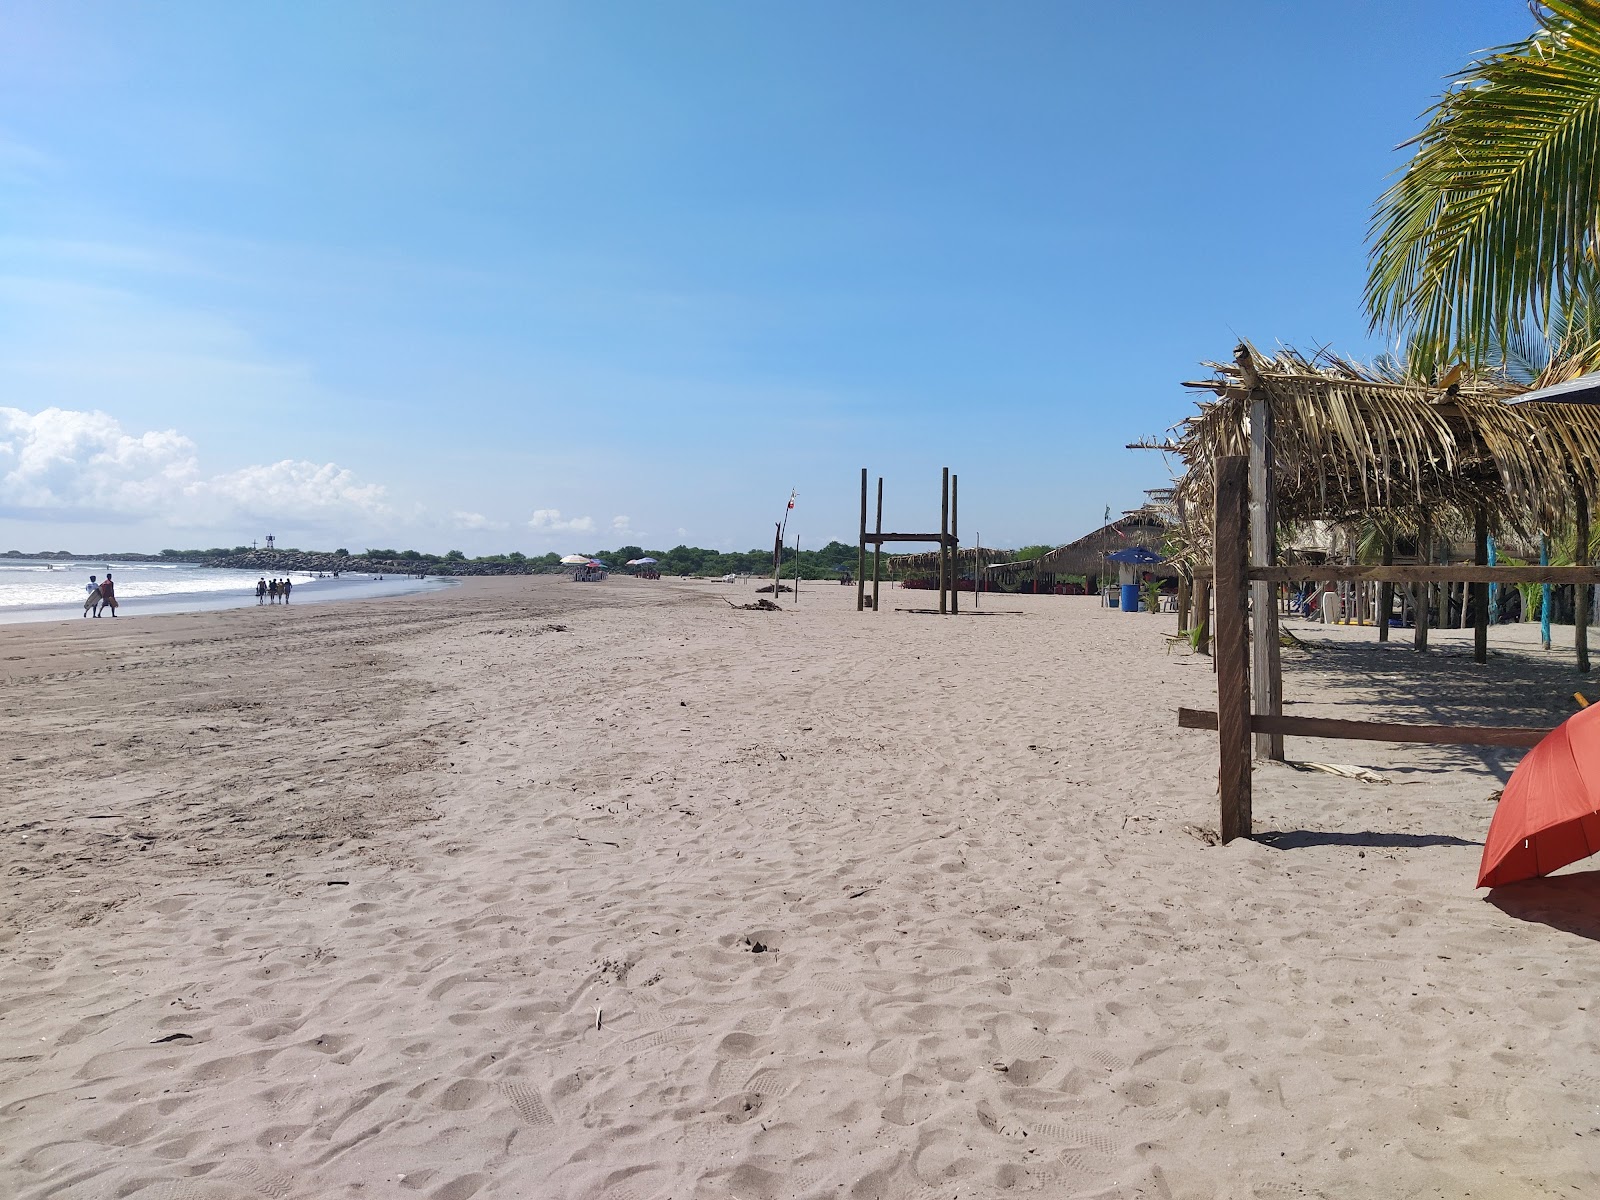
60, 462
550, 520
623, 527
477, 521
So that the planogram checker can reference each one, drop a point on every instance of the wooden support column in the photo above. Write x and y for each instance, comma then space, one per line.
1266, 680
1544, 594
1419, 598
1231, 559
1185, 599
861, 550
955, 544
1480, 591
944, 543
1581, 593
1202, 609
877, 547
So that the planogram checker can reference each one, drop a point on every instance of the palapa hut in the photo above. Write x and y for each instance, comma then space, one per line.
1062, 569
922, 570
1372, 452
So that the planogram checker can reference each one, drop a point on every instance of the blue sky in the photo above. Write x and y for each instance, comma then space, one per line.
563, 276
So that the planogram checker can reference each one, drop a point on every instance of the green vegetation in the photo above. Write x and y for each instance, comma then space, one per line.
1029, 553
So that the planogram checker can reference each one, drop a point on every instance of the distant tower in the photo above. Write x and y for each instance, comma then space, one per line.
270, 540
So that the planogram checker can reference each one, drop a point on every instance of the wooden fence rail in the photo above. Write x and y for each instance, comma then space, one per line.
1376, 731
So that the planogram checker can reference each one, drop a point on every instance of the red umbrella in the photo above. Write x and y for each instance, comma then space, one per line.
1549, 815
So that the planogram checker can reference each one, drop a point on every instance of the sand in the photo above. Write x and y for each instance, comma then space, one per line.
542, 889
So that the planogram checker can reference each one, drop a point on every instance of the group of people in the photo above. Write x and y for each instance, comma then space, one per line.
100, 595
271, 591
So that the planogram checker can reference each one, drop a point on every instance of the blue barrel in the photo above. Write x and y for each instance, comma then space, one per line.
1130, 597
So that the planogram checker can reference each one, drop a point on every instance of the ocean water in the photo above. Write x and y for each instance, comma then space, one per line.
37, 590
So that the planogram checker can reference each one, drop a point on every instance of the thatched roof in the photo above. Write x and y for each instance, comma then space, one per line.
1352, 442
968, 560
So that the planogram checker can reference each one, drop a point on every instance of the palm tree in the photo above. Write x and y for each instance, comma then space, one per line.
1494, 224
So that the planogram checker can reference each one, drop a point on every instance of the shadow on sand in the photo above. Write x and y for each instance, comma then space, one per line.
1570, 903
1299, 839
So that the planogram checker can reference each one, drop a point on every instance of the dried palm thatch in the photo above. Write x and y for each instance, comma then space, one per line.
967, 560
1357, 443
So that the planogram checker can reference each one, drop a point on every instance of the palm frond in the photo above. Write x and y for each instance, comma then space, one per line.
1493, 221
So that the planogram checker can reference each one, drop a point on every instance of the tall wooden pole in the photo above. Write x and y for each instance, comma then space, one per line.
1185, 599
1230, 558
1580, 593
977, 569
944, 543
797, 570
877, 548
1480, 591
1419, 594
955, 544
1267, 668
1544, 593
861, 550
1202, 608
1386, 590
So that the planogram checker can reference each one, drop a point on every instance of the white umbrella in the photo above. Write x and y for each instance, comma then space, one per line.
574, 560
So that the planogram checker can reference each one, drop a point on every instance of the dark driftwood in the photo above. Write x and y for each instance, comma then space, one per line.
1231, 535
1376, 731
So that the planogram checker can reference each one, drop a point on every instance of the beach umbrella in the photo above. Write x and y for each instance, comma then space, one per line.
643, 562
595, 562
1549, 814
575, 560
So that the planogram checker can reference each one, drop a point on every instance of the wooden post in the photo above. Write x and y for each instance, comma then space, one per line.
797, 570
1266, 681
955, 544
1230, 559
861, 550
977, 569
1419, 598
1544, 593
1202, 608
1185, 599
944, 543
1386, 590
877, 548
1581, 593
1480, 591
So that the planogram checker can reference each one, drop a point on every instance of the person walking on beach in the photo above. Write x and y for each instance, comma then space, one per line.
91, 601
108, 595
261, 590
272, 592
284, 588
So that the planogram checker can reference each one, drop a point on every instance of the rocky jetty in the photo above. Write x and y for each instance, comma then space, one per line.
270, 562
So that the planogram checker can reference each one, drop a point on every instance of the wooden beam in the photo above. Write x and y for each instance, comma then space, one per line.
861, 550
1580, 593
1266, 669
955, 544
1385, 590
903, 537
1455, 573
877, 548
1378, 731
1231, 548
1480, 589
944, 543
